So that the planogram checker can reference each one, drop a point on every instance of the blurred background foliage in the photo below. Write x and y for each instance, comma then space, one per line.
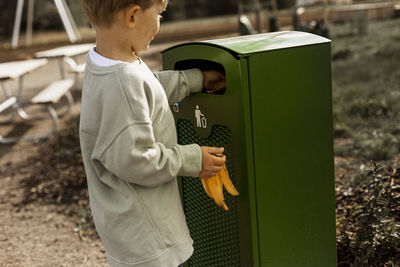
46, 16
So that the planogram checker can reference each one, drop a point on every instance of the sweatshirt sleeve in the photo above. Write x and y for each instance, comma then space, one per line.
130, 149
179, 84
135, 157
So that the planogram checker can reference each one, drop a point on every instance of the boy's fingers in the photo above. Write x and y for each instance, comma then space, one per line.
212, 149
215, 169
221, 83
219, 161
215, 150
214, 80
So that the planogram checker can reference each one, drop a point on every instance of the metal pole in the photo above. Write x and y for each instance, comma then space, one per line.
71, 20
29, 22
61, 67
17, 24
67, 24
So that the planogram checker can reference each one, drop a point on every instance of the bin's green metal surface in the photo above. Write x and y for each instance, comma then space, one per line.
275, 122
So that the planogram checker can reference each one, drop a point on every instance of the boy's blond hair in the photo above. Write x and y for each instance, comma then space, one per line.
101, 12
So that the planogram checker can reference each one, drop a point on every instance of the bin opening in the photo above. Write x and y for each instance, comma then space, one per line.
202, 65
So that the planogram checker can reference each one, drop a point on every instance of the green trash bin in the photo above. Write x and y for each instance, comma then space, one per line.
275, 122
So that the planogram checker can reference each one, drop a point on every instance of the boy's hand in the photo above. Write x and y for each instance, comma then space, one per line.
213, 81
211, 163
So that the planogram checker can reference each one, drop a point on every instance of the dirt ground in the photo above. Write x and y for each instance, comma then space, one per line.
33, 234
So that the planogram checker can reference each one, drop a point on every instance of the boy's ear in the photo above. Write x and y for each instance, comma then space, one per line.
130, 15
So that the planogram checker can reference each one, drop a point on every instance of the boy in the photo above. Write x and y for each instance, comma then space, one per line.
128, 138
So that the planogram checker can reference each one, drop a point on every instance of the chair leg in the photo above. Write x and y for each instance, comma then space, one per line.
33, 138
76, 80
25, 116
10, 118
17, 109
70, 100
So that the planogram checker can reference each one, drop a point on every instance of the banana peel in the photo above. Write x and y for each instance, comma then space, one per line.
213, 187
224, 177
205, 187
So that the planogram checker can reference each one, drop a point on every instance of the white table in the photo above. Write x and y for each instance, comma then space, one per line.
69, 51
47, 97
17, 70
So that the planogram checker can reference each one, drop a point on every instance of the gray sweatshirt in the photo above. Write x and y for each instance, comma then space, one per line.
131, 157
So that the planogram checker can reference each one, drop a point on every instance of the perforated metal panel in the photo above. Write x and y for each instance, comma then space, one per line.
214, 231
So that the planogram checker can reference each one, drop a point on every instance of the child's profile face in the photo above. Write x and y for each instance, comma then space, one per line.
147, 26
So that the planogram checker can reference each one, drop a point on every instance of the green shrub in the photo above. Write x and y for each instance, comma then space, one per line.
368, 228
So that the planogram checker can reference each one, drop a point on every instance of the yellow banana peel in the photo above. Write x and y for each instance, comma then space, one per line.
205, 186
213, 187
224, 177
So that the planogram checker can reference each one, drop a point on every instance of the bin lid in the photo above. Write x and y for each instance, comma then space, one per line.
249, 44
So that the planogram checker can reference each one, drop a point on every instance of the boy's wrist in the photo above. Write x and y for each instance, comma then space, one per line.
191, 160
194, 80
